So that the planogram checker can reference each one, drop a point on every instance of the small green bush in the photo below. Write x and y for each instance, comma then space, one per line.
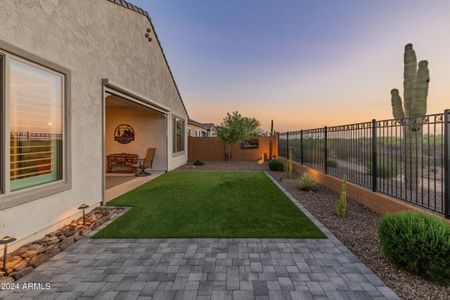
332, 163
307, 183
386, 168
417, 242
198, 163
276, 165
341, 205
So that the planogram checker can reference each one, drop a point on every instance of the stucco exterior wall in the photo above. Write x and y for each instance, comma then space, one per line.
94, 39
149, 129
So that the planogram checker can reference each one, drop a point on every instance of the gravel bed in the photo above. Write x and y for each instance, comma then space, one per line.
358, 232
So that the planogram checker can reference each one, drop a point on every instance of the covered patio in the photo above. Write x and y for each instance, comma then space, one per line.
135, 143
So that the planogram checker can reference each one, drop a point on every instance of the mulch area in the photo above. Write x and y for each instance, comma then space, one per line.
358, 232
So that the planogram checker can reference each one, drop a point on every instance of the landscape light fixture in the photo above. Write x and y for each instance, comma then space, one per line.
4, 241
83, 207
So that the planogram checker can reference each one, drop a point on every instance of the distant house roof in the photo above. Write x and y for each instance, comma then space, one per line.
209, 125
143, 12
195, 123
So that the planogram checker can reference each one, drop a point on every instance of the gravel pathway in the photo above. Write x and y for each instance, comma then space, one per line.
358, 232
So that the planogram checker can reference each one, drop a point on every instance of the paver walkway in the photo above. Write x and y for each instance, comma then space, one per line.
206, 269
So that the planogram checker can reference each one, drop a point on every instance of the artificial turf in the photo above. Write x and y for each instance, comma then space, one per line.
209, 204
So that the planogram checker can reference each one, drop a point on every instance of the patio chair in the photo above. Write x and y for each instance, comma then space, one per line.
145, 163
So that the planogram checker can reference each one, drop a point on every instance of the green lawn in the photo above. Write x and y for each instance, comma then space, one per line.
209, 204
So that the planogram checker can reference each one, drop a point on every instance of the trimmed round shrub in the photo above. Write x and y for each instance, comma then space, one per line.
307, 183
198, 163
418, 243
276, 165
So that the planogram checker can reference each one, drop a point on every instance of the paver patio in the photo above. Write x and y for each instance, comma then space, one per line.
207, 269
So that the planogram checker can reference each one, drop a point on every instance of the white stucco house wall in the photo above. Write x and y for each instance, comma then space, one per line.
60, 62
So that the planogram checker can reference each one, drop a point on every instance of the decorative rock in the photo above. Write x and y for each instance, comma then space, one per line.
70, 232
66, 243
52, 251
22, 249
77, 236
20, 265
38, 260
29, 253
12, 262
37, 247
51, 239
21, 273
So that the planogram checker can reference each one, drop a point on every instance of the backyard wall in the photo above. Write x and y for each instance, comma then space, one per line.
212, 148
378, 202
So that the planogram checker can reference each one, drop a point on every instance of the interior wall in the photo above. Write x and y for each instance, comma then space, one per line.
149, 132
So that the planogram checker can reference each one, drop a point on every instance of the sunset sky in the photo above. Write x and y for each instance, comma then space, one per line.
301, 63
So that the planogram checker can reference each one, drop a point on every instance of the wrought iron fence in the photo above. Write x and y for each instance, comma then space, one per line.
407, 159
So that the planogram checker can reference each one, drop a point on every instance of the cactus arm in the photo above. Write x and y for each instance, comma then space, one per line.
396, 101
409, 78
419, 105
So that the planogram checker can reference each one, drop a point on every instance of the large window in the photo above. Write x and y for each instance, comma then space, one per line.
178, 135
36, 124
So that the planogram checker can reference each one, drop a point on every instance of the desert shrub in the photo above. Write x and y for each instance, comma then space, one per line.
276, 165
198, 163
386, 168
332, 163
341, 205
307, 183
418, 243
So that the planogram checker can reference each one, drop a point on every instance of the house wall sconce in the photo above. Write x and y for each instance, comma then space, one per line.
83, 207
4, 241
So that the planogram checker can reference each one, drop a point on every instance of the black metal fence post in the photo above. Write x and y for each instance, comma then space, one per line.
325, 154
447, 163
374, 155
301, 147
287, 145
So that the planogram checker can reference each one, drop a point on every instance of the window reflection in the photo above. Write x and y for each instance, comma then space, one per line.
36, 122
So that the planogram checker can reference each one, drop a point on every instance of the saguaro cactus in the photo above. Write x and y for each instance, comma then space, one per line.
412, 112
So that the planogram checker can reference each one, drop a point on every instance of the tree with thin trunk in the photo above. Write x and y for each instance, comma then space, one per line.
235, 128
